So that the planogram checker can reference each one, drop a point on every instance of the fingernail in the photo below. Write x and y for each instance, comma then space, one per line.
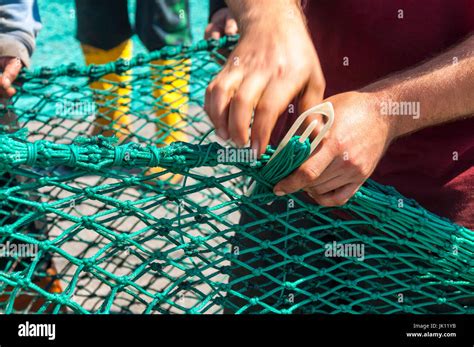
7, 83
255, 148
222, 133
279, 193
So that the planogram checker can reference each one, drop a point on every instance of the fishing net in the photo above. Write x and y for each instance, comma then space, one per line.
159, 217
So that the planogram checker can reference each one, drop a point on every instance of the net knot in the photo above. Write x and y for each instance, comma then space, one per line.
61, 299
155, 156
119, 155
7, 229
87, 263
126, 207
375, 296
344, 308
298, 260
22, 282
254, 301
87, 222
31, 153
89, 193
73, 155
123, 280
42, 207
315, 297
121, 240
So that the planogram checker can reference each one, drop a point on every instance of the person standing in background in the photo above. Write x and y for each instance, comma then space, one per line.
104, 30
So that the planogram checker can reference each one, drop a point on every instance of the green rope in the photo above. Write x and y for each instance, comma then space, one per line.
160, 220
284, 163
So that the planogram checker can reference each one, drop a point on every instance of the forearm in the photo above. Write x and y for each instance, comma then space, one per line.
442, 88
250, 11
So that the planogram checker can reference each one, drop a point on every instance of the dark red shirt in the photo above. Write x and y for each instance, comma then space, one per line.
377, 43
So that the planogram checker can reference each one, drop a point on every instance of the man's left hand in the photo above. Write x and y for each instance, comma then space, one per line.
349, 153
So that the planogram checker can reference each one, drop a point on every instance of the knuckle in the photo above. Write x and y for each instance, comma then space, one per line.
308, 174
359, 168
242, 97
339, 144
210, 89
239, 135
264, 107
218, 89
317, 190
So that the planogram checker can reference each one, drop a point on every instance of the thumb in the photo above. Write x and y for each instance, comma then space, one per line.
12, 68
10, 73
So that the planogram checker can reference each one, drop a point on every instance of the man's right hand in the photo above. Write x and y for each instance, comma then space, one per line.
11, 67
274, 62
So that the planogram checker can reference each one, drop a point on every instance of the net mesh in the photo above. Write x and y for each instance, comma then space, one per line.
159, 219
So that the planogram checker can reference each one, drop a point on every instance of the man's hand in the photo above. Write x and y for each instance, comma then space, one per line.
442, 88
349, 153
222, 23
274, 62
11, 67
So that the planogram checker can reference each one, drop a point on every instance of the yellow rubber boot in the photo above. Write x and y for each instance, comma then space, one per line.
171, 92
113, 118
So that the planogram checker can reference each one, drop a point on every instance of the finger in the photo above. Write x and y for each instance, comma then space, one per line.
10, 92
230, 26
273, 102
12, 69
218, 96
338, 197
307, 173
7, 92
242, 105
330, 185
335, 169
210, 28
312, 96
9, 74
313, 93
215, 34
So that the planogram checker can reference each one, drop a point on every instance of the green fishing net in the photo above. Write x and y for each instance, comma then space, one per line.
160, 219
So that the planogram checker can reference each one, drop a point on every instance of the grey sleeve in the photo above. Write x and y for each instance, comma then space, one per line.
19, 25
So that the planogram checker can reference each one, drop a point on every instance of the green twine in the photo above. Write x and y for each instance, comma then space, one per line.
121, 244
284, 163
